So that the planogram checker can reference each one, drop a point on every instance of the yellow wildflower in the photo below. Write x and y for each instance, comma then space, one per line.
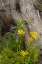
23, 53
34, 34
21, 32
26, 52
30, 39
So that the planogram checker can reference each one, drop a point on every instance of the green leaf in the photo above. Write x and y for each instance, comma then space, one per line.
26, 62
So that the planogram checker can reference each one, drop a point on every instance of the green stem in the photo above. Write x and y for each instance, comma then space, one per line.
20, 42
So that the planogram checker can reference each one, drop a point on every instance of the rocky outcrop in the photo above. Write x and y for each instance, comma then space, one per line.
25, 9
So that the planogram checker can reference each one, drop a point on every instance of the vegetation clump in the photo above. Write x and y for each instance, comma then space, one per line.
13, 51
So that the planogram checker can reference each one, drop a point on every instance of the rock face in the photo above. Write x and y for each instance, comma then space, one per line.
38, 6
32, 16
25, 9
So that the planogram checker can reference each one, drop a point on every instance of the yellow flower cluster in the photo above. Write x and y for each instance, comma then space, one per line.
23, 53
30, 39
21, 32
34, 34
